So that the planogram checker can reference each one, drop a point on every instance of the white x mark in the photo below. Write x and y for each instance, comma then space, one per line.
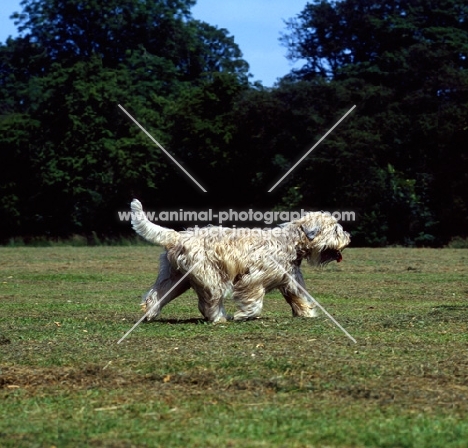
313, 147
161, 147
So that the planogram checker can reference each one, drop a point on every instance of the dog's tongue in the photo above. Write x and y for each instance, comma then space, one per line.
339, 257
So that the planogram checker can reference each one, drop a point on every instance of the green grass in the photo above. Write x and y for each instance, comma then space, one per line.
272, 382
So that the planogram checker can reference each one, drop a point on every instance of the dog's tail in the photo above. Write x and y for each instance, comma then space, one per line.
150, 231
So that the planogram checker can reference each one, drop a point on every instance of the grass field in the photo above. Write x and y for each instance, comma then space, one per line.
272, 382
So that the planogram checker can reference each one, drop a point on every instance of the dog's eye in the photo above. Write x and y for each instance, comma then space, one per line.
311, 233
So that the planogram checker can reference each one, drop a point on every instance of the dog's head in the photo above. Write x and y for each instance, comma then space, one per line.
320, 238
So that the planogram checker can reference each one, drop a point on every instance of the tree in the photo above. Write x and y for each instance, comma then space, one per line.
405, 64
76, 30
61, 84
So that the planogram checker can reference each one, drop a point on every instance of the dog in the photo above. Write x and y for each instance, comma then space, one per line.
244, 264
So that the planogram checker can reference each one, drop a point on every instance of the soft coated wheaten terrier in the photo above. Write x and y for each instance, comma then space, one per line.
240, 263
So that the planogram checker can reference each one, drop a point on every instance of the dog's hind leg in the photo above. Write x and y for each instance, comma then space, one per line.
166, 288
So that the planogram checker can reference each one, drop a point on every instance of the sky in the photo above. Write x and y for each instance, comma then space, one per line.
255, 24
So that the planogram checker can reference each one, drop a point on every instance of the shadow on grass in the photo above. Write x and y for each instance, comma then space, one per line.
193, 320
451, 307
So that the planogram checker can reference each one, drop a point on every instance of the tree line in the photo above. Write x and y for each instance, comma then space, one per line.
70, 159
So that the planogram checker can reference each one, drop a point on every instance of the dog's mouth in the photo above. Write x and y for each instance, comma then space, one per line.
328, 255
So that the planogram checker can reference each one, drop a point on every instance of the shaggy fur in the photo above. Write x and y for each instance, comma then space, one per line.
240, 263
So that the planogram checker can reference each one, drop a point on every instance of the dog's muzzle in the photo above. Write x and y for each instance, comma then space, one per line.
328, 255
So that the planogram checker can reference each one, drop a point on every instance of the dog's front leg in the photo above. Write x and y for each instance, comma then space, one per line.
211, 306
293, 292
301, 304
249, 300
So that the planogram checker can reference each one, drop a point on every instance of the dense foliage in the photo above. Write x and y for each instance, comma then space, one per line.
70, 158
405, 64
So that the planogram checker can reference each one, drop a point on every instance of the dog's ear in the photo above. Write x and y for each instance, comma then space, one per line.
311, 233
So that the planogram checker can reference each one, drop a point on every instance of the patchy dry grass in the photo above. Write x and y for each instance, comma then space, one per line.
272, 382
